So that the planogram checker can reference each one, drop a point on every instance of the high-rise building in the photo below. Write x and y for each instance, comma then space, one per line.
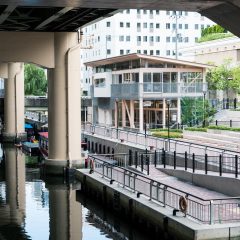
151, 32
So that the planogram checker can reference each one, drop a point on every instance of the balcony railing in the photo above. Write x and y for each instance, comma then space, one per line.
128, 91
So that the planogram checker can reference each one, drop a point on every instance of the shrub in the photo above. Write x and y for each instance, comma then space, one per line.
196, 129
225, 128
162, 134
165, 130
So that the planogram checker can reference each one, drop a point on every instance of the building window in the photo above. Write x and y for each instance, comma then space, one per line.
127, 38
99, 38
157, 38
167, 25
121, 52
144, 38
127, 51
144, 11
151, 25
139, 38
196, 39
108, 51
157, 52
180, 26
186, 13
168, 39
186, 39
108, 38
202, 26
157, 12
157, 25
138, 51
138, 11
151, 12
168, 12
174, 26
168, 52
108, 24
151, 52
196, 26
121, 38
173, 39
128, 11
128, 24
145, 52
121, 24
145, 25
151, 39
186, 26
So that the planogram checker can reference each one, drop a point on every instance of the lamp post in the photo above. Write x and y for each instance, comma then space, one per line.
204, 96
168, 109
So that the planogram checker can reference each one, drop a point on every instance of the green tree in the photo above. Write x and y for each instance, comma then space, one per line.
219, 78
235, 81
35, 82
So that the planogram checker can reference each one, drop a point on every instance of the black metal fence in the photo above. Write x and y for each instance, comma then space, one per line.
208, 211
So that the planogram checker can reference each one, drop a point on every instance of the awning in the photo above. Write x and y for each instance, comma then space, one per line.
28, 126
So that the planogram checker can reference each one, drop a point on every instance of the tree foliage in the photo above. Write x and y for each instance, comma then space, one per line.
35, 81
224, 77
213, 29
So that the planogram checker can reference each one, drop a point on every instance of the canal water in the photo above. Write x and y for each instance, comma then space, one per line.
36, 207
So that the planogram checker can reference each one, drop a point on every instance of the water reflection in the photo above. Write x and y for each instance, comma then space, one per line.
31, 208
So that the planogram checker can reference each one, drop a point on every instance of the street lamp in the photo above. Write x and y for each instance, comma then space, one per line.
204, 96
168, 109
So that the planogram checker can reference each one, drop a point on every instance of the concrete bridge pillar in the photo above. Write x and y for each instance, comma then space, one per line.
14, 104
64, 105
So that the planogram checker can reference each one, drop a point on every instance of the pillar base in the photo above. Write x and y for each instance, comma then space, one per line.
13, 137
58, 167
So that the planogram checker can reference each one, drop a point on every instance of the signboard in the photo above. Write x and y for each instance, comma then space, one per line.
147, 103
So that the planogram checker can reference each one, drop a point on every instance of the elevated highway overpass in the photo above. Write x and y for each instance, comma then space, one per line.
45, 32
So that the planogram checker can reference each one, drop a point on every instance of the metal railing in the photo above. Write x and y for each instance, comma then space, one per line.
229, 123
148, 141
207, 211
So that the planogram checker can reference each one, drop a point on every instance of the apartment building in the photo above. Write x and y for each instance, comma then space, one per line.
150, 32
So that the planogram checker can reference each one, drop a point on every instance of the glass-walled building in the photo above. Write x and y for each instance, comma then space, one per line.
133, 90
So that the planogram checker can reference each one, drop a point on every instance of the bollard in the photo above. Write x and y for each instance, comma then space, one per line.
142, 162
164, 158
216, 122
136, 159
230, 123
155, 158
130, 157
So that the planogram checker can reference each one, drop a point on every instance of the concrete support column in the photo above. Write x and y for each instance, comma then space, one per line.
164, 113
116, 114
179, 110
64, 105
14, 104
123, 113
141, 114
132, 124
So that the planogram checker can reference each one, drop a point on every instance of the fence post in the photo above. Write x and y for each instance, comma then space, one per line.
230, 123
206, 163
216, 122
164, 196
220, 165
174, 159
124, 174
164, 158
193, 162
185, 157
236, 166
136, 159
142, 162
155, 158
211, 212
235, 103
148, 162
151, 183
130, 157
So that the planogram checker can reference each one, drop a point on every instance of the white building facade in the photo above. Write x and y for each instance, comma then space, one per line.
150, 32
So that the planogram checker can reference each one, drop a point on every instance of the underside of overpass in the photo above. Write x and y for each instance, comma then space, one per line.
62, 15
